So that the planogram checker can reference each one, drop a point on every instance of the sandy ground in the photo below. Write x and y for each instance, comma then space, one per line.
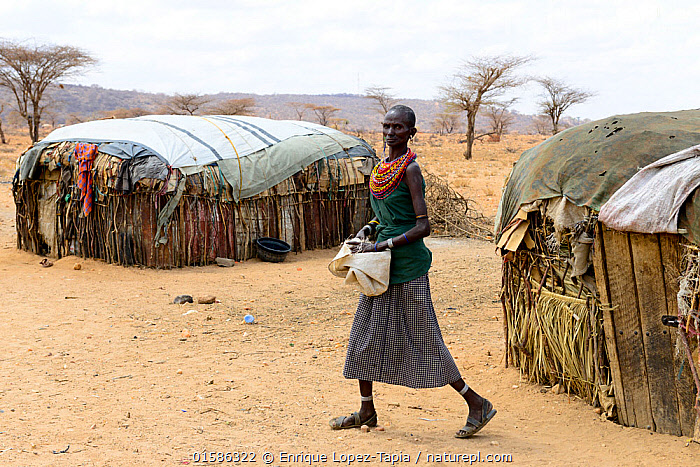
100, 368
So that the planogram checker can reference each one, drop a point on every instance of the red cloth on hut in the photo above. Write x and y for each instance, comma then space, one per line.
85, 154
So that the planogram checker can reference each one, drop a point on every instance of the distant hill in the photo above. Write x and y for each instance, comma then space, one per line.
75, 103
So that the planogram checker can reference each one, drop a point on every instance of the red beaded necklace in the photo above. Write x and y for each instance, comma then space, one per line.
386, 176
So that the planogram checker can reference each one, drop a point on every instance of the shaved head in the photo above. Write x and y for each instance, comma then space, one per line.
406, 113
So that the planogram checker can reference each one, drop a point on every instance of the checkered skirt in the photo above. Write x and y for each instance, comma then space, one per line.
396, 339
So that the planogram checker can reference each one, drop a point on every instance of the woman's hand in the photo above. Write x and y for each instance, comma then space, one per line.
357, 246
366, 230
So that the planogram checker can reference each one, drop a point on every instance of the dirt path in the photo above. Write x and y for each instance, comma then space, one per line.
96, 359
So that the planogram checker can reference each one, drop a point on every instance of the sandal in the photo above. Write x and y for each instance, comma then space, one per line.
337, 423
46, 263
473, 426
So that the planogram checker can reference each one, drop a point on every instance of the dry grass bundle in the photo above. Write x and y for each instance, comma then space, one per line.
560, 334
554, 326
689, 293
451, 213
689, 317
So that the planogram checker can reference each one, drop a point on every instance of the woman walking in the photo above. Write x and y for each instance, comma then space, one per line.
395, 337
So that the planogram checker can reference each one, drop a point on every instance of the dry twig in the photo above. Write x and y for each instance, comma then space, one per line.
451, 213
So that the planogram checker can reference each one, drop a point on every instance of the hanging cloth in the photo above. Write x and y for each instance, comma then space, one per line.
85, 155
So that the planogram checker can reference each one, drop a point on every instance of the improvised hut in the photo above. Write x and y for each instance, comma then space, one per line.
584, 300
172, 191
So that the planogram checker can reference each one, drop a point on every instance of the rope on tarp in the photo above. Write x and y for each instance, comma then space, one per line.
238, 158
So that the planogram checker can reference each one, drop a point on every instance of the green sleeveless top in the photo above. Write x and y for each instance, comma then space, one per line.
396, 216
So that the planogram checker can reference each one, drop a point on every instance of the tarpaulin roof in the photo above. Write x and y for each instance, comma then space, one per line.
586, 164
253, 153
186, 141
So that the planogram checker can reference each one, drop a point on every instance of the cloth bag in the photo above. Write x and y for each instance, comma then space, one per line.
368, 272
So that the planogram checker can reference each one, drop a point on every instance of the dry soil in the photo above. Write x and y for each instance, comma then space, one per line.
100, 368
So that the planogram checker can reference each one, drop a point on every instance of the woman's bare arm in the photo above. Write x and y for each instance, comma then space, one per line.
414, 179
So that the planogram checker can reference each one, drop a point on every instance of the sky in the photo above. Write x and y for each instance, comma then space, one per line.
641, 55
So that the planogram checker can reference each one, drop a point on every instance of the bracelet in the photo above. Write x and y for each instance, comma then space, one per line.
375, 246
390, 242
421, 216
404, 236
372, 226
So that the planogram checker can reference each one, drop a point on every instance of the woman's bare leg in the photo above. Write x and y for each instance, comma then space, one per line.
474, 401
367, 408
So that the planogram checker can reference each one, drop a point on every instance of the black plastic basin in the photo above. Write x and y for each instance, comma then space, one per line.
271, 249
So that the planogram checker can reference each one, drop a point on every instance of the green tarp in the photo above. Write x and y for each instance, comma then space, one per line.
269, 166
588, 163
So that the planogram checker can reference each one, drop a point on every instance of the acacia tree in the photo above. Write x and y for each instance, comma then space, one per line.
382, 98
2, 133
340, 123
244, 106
446, 122
499, 117
558, 97
300, 108
324, 113
185, 104
480, 81
542, 125
27, 71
